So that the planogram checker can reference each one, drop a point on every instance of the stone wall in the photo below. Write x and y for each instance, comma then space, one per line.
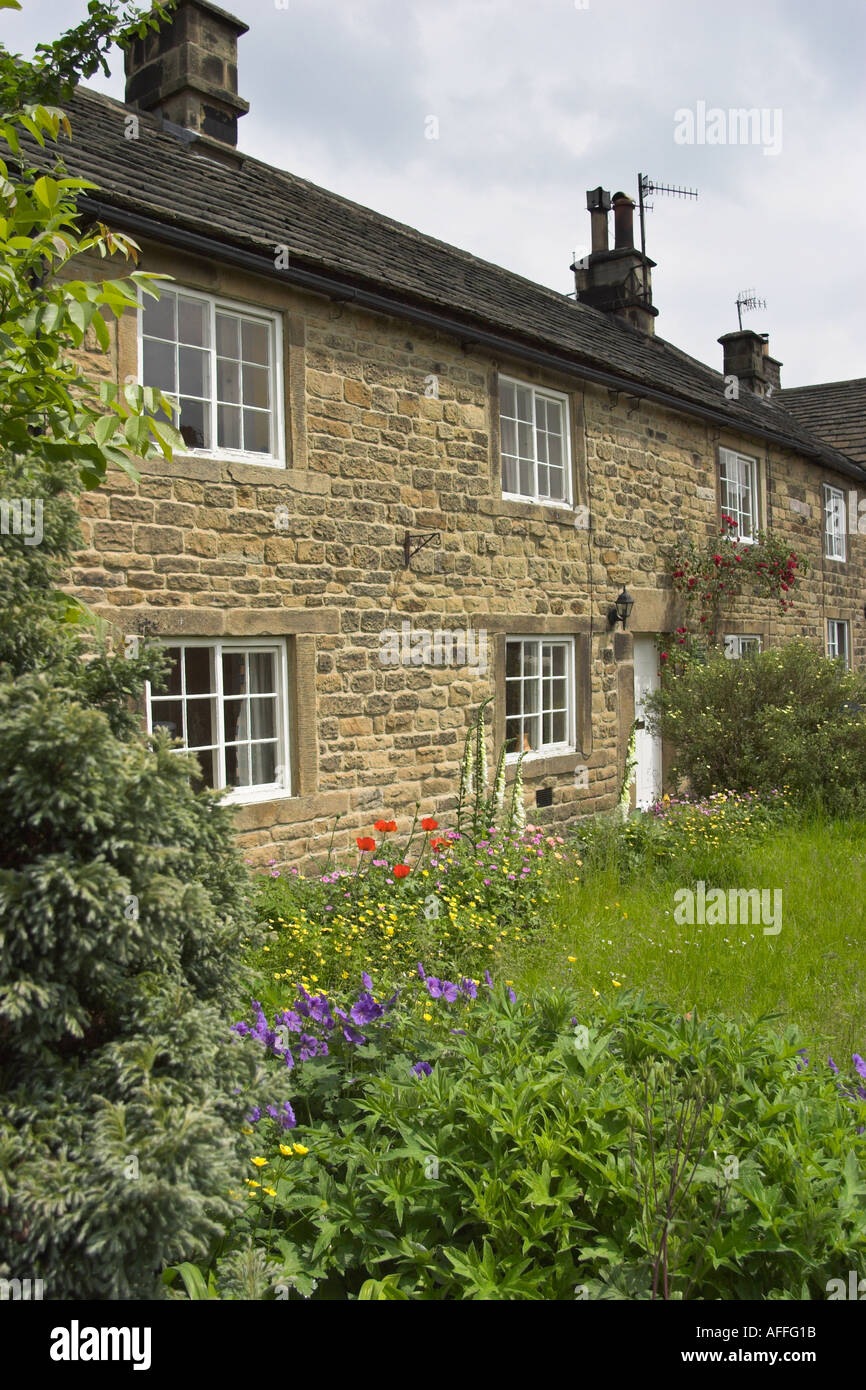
196, 548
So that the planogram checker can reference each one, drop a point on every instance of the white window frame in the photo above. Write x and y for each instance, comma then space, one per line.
275, 325
835, 521
754, 522
734, 644
549, 394
268, 791
548, 750
835, 626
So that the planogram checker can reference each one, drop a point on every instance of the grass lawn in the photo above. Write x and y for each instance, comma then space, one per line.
812, 973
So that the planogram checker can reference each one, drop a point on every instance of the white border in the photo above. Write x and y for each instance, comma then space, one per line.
567, 501
267, 791
550, 750
274, 320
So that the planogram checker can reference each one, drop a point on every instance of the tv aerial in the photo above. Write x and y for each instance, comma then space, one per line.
748, 300
647, 188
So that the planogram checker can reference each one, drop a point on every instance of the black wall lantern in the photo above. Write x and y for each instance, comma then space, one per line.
620, 609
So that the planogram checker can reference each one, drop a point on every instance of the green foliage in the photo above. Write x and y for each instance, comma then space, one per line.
681, 838
59, 66
123, 903
787, 717
557, 1153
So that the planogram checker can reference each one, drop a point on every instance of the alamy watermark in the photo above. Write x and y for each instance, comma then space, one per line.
21, 516
21, 1290
421, 646
737, 126
737, 907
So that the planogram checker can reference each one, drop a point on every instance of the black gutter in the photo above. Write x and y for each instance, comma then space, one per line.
324, 284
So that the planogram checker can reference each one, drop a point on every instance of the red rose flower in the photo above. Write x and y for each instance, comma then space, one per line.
717, 559
664, 656
365, 843
401, 870
429, 824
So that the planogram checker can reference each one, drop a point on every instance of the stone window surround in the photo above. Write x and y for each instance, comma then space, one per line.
761, 473
299, 628
262, 296
561, 512
502, 626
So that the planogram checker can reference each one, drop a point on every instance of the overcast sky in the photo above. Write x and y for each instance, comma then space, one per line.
539, 100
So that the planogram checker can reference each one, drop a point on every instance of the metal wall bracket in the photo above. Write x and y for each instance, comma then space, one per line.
432, 538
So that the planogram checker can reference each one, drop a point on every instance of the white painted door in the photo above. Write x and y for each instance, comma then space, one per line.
648, 747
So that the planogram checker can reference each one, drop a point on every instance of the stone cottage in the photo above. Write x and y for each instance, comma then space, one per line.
413, 480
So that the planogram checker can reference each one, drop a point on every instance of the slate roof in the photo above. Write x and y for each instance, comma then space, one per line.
257, 207
835, 411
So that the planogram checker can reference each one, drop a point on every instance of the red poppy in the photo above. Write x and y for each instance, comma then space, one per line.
385, 825
429, 824
401, 870
365, 843
437, 842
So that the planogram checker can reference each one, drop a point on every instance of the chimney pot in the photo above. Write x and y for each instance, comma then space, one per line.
623, 222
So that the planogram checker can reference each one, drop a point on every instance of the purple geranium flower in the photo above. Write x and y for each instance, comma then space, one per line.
488, 979
291, 1020
469, 988
441, 989
834, 1069
365, 1010
421, 971
320, 1011
422, 1069
859, 1065
287, 1119
254, 1116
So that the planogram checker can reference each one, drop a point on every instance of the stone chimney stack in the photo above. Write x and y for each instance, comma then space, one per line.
747, 357
188, 72
617, 281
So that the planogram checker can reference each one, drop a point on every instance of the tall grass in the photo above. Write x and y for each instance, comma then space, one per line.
618, 926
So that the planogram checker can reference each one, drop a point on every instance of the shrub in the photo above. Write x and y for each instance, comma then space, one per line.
123, 903
516, 1151
787, 717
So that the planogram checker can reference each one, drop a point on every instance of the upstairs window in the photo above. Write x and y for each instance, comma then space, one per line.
220, 363
834, 523
539, 695
838, 640
738, 476
226, 701
534, 443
